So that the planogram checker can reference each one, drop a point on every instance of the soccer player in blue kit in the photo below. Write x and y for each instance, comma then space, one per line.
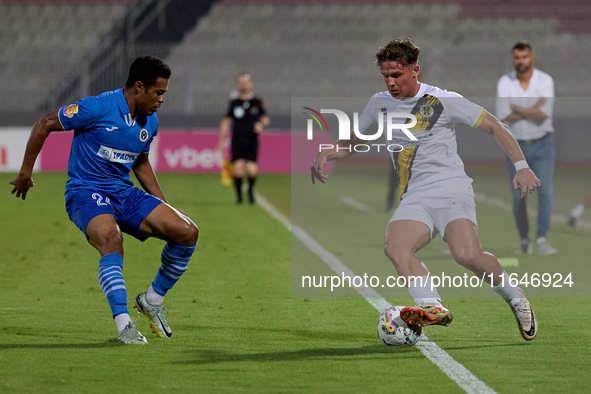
113, 133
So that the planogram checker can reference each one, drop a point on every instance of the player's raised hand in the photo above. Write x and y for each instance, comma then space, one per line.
22, 184
316, 169
526, 180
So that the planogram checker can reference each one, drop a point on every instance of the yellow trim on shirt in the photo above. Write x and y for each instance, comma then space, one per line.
480, 119
404, 161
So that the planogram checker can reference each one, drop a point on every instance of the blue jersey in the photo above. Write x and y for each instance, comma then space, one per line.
107, 141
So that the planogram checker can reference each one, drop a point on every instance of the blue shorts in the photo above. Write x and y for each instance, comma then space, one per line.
129, 207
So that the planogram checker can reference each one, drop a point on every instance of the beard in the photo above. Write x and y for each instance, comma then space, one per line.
523, 68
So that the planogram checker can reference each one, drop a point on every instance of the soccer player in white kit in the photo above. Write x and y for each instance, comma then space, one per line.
436, 193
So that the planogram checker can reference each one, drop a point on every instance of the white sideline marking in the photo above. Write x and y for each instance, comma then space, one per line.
356, 204
456, 371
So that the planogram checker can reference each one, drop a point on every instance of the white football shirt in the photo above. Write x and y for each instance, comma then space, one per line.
431, 164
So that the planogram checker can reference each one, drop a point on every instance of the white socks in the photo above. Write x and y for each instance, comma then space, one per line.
577, 211
507, 291
420, 289
122, 321
153, 298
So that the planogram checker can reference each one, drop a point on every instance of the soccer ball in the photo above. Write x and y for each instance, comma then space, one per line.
393, 331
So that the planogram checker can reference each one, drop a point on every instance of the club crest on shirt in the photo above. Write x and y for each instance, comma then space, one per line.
71, 110
426, 111
144, 135
254, 111
238, 112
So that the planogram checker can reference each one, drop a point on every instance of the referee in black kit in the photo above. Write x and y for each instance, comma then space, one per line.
247, 117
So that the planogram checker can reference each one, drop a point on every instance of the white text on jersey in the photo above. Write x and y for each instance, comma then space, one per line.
116, 155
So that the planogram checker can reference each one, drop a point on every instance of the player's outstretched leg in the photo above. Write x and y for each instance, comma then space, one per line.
518, 302
403, 238
174, 263
577, 211
516, 299
113, 285
462, 237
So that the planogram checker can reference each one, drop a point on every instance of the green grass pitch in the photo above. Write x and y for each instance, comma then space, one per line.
236, 327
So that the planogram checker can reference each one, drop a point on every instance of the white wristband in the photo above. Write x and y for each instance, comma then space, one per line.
520, 165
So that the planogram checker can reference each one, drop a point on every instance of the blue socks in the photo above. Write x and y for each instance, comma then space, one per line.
174, 262
112, 282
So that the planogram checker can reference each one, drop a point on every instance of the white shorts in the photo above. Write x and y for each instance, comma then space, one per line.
436, 212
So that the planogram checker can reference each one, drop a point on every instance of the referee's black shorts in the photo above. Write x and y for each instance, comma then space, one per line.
247, 150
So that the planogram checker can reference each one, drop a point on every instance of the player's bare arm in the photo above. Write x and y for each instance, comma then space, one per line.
341, 149
224, 130
23, 182
525, 179
147, 177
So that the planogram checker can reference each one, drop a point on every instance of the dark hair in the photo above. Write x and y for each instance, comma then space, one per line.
242, 74
147, 69
401, 51
522, 46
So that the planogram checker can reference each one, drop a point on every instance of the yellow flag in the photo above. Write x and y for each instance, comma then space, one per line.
227, 173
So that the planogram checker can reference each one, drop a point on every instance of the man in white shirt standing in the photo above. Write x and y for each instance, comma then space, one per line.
525, 100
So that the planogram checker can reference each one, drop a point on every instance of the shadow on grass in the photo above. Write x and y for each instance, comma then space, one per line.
204, 356
288, 332
448, 348
62, 345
